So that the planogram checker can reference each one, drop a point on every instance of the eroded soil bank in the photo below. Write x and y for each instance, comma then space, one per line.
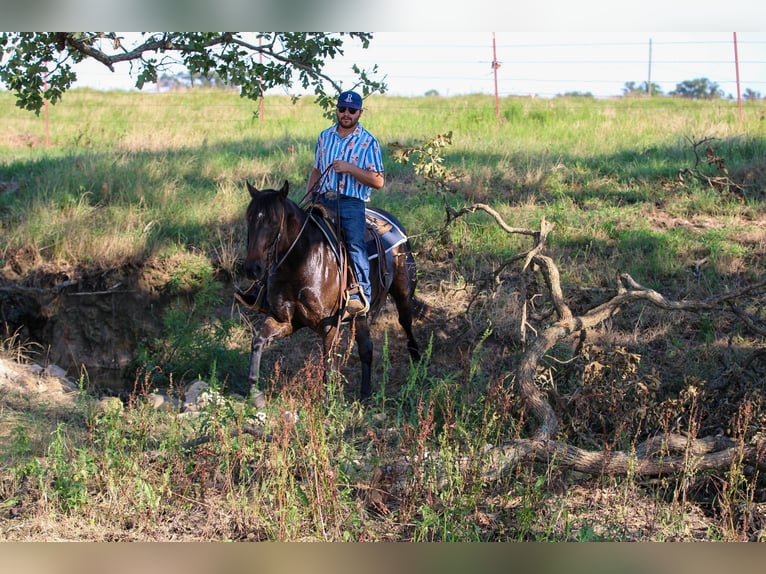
81, 318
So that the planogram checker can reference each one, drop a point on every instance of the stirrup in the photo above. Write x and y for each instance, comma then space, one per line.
353, 307
355, 289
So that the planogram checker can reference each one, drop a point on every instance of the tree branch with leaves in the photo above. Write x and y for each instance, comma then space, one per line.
38, 66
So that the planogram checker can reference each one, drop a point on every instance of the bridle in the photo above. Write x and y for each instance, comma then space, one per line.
273, 252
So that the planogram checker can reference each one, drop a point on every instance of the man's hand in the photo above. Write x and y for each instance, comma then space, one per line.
373, 179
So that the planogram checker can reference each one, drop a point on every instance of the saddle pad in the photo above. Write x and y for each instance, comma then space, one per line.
388, 230
391, 235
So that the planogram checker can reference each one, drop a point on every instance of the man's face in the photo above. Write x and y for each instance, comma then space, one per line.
347, 117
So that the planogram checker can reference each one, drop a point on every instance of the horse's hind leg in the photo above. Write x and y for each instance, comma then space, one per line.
404, 308
402, 291
365, 348
271, 330
402, 297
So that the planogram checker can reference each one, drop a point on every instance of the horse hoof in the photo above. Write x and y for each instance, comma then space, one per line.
259, 399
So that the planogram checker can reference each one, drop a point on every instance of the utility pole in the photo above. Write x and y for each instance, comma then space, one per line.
495, 66
736, 65
45, 102
649, 80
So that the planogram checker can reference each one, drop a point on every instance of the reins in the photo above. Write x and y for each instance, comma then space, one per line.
308, 201
311, 195
275, 244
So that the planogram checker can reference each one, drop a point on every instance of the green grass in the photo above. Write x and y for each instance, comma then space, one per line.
127, 173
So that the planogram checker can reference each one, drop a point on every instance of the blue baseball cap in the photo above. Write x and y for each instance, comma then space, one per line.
350, 99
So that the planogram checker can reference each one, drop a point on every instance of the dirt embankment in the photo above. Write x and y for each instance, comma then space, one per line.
75, 318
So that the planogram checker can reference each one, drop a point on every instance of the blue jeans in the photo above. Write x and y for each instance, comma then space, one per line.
349, 212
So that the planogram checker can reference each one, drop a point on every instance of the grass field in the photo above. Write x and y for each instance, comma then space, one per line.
670, 191
119, 162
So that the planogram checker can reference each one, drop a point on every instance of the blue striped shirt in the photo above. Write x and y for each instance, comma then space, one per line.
359, 147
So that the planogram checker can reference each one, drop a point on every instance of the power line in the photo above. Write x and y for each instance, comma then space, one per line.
522, 67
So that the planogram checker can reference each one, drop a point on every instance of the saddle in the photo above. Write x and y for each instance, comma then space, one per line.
382, 235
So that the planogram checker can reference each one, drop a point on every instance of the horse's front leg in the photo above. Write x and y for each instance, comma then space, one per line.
363, 340
271, 330
365, 348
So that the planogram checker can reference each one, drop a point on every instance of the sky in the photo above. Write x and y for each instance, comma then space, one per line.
544, 63
544, 47
389, 15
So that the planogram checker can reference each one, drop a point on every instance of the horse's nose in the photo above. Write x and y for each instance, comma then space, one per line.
253, 269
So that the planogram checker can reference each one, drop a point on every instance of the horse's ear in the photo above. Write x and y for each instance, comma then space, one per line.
253, 190
285, 189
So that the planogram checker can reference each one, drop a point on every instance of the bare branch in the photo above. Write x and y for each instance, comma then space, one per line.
452, 215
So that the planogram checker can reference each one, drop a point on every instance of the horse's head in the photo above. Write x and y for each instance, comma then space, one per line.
254, 191
265, 219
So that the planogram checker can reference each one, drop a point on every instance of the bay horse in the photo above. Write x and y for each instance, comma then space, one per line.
299, 266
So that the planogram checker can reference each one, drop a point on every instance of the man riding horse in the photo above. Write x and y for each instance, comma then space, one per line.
348, 164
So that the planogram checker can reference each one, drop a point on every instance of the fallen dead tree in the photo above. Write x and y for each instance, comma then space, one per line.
664, 453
